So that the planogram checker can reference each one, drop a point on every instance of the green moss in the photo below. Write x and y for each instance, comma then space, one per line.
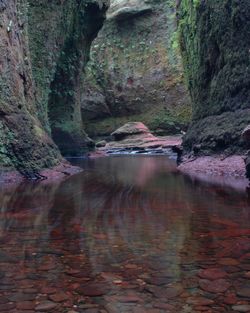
4, 140
54, 21
215, 40
136, 67
29, 65
216, 64
57, 62
64, 107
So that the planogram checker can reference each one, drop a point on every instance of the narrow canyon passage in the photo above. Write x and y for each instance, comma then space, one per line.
128, 234
99, 102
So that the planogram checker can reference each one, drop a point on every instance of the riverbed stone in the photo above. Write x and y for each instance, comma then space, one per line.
93, 290
3, 300
215, 286
7, 307
48, 290
244, 291
22, 297
25, 305
200, 301
58, 297
164, 306
212, 273
126, 299
228, 261
241, 308
45, 306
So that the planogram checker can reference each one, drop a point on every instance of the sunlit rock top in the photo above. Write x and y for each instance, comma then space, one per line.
124, 9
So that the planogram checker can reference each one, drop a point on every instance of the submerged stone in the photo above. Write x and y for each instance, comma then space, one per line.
93, 290
241, 308
244, 290
45, 306
215, 286
212, 273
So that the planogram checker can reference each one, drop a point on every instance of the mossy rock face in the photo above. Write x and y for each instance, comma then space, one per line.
215, 40
24, 143
135, 70
34, 35
58, 64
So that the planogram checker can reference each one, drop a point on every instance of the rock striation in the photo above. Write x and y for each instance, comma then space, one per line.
135, 135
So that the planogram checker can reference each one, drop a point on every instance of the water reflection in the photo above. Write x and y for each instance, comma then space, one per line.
129, 234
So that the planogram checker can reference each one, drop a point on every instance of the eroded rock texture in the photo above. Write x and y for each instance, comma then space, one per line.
135, 73
44, 46
215, 41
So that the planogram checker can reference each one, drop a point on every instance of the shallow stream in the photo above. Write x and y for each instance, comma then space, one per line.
128, 234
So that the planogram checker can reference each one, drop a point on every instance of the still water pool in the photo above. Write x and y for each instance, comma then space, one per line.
128, 234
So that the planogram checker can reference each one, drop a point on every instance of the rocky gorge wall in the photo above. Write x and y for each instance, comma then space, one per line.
44, 46
135, 71
215, 41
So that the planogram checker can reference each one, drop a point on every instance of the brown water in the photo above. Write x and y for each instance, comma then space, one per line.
129, 234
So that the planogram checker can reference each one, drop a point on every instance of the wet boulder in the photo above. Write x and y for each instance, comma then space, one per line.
130, 129
125, 9
136, 135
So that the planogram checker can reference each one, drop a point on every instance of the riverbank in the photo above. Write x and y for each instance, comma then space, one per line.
223, 171
230, 171
215, 165
59, 172
218, 169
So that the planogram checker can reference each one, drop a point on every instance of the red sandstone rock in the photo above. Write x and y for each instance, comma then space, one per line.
25, 305
48, 290
137, 135
128, 129
244, 291
164, 306
3, 300
7, 307
58, 297
212, 273
228, 261
230, 299
200, 301
126, 299
241, 308
215, 286
45, 306
92, 290
201, 308
216, 166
